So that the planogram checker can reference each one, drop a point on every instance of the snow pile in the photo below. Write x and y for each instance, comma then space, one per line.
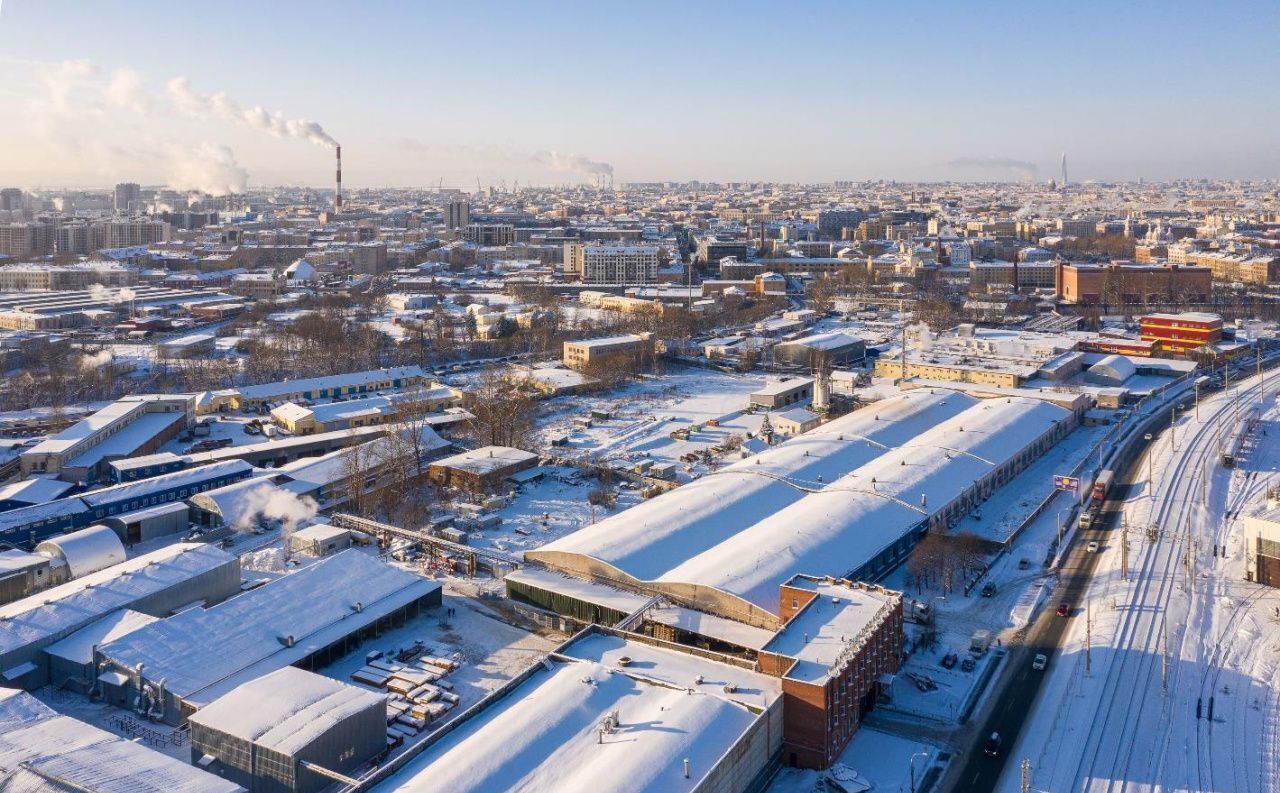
266, 560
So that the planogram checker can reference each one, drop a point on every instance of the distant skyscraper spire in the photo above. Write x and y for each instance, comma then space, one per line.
1064, 169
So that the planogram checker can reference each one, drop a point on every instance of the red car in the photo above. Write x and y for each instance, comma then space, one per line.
1064, 609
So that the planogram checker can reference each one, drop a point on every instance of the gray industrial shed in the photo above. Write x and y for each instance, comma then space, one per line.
173, 667
156, 583
263, 734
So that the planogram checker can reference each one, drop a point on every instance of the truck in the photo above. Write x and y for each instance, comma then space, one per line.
980, 642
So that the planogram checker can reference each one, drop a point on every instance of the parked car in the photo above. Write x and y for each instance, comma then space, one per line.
968, 664
1064, 609
949, 660
992, 748
988, 589
1024, 563
1093, 547
1040, 662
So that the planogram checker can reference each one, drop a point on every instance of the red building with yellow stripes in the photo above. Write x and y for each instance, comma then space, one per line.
1180, 334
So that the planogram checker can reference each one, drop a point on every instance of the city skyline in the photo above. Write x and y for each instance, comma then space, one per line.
497, 92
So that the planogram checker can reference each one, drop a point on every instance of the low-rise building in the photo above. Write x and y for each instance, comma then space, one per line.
782, 393
839, 642
1262, 544
480, 470
268, 733
609, 351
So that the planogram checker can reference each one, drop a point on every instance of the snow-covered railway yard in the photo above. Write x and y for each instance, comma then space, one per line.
1166, 678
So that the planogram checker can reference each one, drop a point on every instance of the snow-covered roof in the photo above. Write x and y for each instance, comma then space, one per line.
753, 525
56, 612
644, 540
179, 479
36, 490
285, 710
818, 635
665, 715
203, 653
776, 387
78, 647
486, 459
824, 341
85, 551
41, 750
353, 379
145, 461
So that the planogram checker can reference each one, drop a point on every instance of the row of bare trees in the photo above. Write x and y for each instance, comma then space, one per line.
940, 562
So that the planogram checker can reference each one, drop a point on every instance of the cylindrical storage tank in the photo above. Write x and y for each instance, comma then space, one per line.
85, 551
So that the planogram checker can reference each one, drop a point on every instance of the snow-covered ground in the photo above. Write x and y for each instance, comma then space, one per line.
1122, 714
546, 509
645, 412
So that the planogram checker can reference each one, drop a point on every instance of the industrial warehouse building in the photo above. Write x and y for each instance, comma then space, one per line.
307, 618
264, 734
156, 583
609, 711
29, 525
41, 750
258, 397
849, 499
831, 349
126, 428
1262, 538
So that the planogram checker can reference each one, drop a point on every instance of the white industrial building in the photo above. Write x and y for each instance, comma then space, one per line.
155, 583
309, 617
269, 733
43, 751
849, 499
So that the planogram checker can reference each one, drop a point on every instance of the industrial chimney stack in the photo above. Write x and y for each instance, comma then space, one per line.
337, 201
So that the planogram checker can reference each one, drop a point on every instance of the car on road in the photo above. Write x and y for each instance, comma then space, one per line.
988, 589
949, 660
1064, 609
992, 748
1040, 662
1024, 563
1093, 547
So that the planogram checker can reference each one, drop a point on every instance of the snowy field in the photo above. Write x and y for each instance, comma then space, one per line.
1185, 631
873, 761
549, 508
644, 413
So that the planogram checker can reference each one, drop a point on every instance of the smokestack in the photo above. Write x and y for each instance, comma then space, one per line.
337, 200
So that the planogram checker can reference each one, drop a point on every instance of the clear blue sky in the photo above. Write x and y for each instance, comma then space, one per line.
790, 91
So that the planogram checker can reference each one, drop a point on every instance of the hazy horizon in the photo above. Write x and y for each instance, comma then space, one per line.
747, 92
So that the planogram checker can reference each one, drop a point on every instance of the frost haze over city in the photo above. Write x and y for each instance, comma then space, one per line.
823, 397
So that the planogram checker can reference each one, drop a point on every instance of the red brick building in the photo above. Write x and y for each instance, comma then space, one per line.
1093, 284
840, 643
1180, 334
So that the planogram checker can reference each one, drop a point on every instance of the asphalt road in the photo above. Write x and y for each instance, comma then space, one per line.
1019, 683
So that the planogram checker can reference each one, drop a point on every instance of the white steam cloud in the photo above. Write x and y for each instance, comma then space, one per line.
221, 106
1020, 168
99, 292
573, 163
207, 167
96, 361
921, 335
269, 502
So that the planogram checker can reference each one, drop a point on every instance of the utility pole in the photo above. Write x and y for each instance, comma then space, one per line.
1173, 427
1124, 552
1026, 775
1088, 638
1164, 655
1197, 387
1262, 395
